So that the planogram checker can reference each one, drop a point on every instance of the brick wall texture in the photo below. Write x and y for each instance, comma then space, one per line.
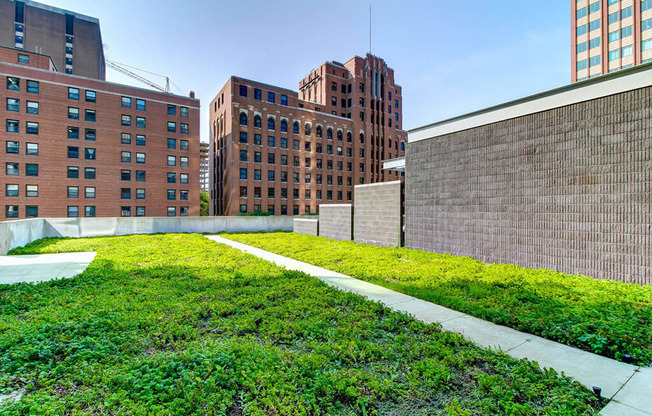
336, 221
567, 189
306, 226
378, 214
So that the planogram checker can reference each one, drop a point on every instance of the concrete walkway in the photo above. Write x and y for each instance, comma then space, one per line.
43, 267
629, 387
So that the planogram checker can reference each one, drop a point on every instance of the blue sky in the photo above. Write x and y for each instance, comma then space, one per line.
451, 57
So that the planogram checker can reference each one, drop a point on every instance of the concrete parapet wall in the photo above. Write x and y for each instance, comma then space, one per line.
336, 221
378, 214
307, 226
18, 233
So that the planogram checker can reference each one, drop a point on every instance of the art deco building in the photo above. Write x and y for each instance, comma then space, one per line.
286, 152
609, 35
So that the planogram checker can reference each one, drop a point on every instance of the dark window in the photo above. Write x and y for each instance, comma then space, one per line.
183, 128
126, 102
125, 193
319, 131
89, 173
70, 24
13, 104
243, 155
90, 115
258, 157
271, 158
284, 143
271, 97
172, 143
183, 144
271, 141
89, 211
243, 90
89, 153
243, 137
140, 104
12, 126
73, 152
140, 140
308, 130
270, 123
13, 84
141, 122
258, 140
172, 126
172, 195
32, 87
141, 176
125, 211
73, 192
329, 133
295, 127
31, 169
11, 211
184, 112
284, 126
12, 147
257, 175
257, 121
31, 211
172, 110
73, 172
126, 120
183, 195
257, 94
91, 96
243, 119
243, 173
11, 190
284, 100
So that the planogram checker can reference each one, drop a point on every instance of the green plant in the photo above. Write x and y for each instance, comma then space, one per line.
255, 214
602, 316
204, 204
177, 324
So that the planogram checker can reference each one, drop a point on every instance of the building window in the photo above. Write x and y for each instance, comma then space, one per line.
284, 100
89, 153
172, 160
12, 126
295, 127
308, 130
319, 131
140, 193
172, 127
183, 178
257, 175
32, 107
257, 121
125, 193
140, 211
284, 126
13, 104
243, 90
89, 173
11, 190
89, 211
140, 104
243, 173
172, 212
90, 115
73, 192
141, 122
126, 120
141, 176
125, 157
125, 138
184, 112
183, 144
172, 110
183, 161
183, 195
73, 172
73, 113
172, 177
31, 128
271, 97
125, 175
73, 211
126, 102
89, 192
183, 211
13, 84
31, 211
270, 123
91, 96
32, 87
12, 147
125, 211
23, 59
172, 144
73, 93
243, 119
257, 94
172, 195
183, 128
31, 149
271, 141
31, 169
11, 211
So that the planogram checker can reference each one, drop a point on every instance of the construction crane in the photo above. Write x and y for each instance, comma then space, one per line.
122, 68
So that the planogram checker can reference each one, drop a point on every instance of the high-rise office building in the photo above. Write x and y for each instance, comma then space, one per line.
204, 164
609, 35
285, 152
76, 146
72, 40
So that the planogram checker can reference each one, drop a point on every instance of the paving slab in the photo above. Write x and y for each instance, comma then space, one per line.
629, 387
43, 267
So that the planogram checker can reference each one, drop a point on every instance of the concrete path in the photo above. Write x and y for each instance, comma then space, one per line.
43, 267
629, 387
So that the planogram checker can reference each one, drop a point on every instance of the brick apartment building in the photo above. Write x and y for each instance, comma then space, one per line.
72, 40
77, 146
609, 35
286, 152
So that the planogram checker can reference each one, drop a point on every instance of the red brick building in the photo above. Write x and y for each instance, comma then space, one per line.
286, 152
83, 147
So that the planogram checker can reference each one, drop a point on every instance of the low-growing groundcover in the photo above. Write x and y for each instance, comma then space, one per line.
178, 324
601, 316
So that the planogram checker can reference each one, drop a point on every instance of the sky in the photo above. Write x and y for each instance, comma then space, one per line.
450, 57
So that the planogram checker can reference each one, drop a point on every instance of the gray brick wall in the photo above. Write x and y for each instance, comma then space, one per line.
567, 189
307, 226
336, 221
378, 214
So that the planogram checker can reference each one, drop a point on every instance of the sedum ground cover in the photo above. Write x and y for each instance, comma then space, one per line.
601, 316
178, 324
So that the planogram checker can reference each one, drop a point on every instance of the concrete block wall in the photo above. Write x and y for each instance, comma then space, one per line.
336, 221
378, 214
307, 226
18, 233
568, 189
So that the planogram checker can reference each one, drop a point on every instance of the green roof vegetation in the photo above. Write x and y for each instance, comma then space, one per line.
180, 325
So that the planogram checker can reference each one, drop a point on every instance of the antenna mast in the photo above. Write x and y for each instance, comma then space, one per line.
370, 29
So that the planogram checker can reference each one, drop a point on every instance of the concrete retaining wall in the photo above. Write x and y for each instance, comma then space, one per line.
378, 214
568, 189
336, 221
18, 233
307, 226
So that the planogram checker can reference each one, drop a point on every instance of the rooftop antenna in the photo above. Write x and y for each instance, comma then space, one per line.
370, 29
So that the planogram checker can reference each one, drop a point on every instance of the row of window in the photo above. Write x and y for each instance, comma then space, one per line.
31, 211
296, 176
90, 95
13, 126
271, 193
284, 208
13, 169
13, 84
12, 191
271, 96
271, 142
31, 107
13, 147
623, 52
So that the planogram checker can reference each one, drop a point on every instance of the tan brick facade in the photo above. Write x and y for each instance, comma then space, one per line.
287, 152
